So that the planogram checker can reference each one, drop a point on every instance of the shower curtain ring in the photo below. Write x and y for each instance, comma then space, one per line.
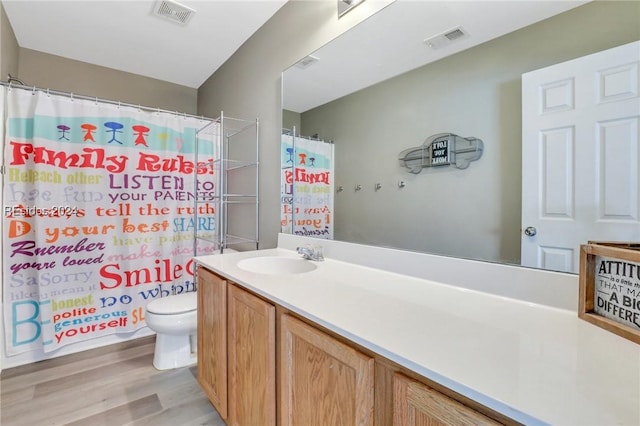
33, 91
71, 95
48, 93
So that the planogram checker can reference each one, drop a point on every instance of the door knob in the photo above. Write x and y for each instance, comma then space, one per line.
530, 231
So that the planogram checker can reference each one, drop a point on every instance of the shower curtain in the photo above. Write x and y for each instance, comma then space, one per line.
306, 187
97, 220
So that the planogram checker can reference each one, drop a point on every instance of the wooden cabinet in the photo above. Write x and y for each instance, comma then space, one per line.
322, 381
415, 404
212, 338
236, 351
252, 359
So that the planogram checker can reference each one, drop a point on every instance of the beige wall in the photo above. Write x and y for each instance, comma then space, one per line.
67, 75
290, 120
8, 48
248, 84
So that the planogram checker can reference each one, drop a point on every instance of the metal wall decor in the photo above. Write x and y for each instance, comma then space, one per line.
442, 149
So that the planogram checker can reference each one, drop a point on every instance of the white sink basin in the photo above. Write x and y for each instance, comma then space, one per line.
273, 265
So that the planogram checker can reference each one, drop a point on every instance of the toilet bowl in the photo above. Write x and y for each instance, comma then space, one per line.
174, 319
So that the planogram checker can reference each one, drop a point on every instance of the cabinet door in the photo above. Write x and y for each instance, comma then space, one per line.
415, 404
322, 381
252, 362
212, 338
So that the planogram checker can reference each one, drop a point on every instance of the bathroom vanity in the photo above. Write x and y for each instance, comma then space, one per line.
366, 337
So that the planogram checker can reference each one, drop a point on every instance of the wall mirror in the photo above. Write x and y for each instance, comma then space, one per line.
419, 68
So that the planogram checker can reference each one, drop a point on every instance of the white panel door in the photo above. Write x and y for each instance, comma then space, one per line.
580, 156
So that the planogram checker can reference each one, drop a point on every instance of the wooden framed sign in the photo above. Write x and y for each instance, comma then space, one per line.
610, 287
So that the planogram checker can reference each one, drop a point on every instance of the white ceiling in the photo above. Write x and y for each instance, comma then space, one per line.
126, 36
391, 42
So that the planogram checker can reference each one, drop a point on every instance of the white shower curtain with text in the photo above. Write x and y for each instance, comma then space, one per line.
97, 216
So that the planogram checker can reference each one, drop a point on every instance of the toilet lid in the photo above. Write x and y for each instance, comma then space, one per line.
174, 304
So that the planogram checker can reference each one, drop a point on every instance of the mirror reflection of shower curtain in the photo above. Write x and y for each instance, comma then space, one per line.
306, 186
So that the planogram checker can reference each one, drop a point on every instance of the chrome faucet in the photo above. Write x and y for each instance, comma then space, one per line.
311, 253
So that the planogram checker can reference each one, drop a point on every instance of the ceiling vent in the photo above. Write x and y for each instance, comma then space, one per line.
173, 11
306, 62
447, 37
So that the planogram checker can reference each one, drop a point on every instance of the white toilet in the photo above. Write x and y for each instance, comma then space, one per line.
174, 319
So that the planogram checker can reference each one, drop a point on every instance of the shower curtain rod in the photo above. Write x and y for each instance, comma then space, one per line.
289, 132
10, 85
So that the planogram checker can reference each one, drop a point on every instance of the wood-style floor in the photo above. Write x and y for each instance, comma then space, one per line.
110, 386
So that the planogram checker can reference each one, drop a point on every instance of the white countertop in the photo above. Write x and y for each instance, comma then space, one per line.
534, 363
